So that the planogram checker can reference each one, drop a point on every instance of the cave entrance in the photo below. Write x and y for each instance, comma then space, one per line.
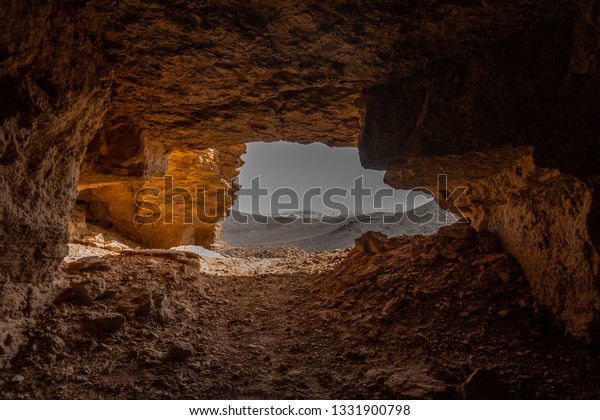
316, 197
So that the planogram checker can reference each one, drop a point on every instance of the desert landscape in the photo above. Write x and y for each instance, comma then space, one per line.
317, 232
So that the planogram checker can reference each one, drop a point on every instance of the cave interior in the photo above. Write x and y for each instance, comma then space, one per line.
102, 99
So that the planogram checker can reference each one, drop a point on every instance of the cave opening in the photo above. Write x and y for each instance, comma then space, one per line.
318, 197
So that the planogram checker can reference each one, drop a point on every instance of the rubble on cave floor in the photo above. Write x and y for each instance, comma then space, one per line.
443, 316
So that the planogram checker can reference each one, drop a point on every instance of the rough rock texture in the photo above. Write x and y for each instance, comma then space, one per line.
53, 103
54, 97
180, 208
308, 327
513, 127
540, 215
135, 82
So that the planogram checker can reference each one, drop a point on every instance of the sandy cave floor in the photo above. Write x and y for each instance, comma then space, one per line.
415, 320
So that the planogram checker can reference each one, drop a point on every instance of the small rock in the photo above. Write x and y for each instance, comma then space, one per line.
401, 329
150, 356
371, 243
180, 351
88, 264
483, 384
390, 306
430, 258
503, 313
423, 294
368, 272
356, 355
89, 290
17, 379
113, 246
49, 358
56, 345
145, 304
93, 239
505, 277
375, 377
386, 281
415, 386
111, 322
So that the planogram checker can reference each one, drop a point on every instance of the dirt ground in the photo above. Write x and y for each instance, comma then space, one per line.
443, 316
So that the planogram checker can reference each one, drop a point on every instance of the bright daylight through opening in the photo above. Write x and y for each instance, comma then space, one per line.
319, 198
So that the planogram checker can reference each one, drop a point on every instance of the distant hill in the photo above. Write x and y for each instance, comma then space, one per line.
314, 232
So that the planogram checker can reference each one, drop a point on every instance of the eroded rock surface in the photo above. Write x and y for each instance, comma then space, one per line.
520, 137
182, 207
134, 83
436, 319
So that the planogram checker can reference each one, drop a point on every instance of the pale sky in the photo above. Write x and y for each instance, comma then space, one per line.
301, 167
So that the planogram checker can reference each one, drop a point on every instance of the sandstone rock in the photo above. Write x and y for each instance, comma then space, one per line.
88, 264
180, 351
56, 345
387, 281
483, 384
415, 385
96, 240
178, 224
390, 306
89, 290
145, 304
370, 271
458, 231
149, 356
114, 246
370, 243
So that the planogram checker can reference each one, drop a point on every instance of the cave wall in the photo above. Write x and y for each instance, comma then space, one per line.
53, 101
187, 215
514, 126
